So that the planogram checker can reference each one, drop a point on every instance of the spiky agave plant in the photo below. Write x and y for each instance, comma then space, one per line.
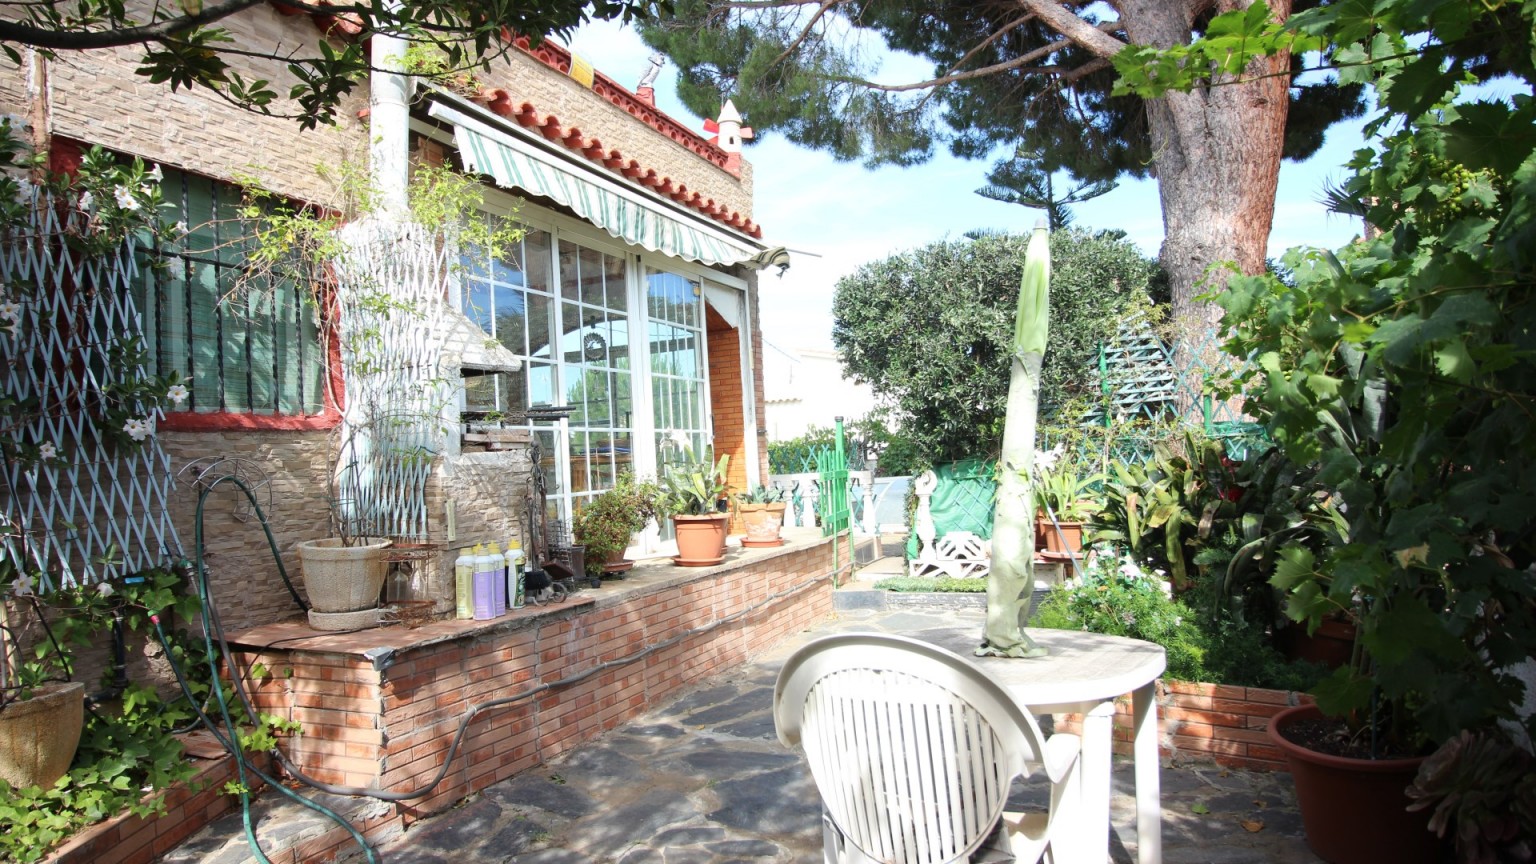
1012, 581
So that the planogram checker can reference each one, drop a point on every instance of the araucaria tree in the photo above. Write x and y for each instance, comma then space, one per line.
184, 46
1036, 73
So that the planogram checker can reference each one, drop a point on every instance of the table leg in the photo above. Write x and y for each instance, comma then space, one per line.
1149, 812
1098, 736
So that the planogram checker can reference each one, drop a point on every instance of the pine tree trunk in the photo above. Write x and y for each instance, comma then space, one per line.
1216, 154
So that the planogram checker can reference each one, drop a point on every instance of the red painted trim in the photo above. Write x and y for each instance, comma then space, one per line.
224, 421
65, 155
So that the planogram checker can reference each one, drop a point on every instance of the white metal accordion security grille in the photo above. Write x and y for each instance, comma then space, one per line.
390, 290
98, 510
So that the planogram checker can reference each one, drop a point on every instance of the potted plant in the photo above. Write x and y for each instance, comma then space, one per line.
693, 495
762, 510
42, 712
1062, 502
606, 522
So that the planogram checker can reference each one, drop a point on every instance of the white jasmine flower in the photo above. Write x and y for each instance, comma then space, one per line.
10, 310
125, 198
105, 589
138, 429
47, 451
177, 393
155, 175
22, 586
86, 201
181, 228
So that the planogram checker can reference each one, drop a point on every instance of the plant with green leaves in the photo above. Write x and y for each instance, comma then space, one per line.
1011, 582
606, 522
760, 494
1063, 490
1401, 367
694, 487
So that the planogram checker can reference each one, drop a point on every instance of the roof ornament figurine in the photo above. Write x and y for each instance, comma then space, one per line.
649, 78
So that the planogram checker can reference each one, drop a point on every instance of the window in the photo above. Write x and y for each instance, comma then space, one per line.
248, 351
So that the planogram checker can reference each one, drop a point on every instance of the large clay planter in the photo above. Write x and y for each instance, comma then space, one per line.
700, 539
1355, 810
39, 736
763, 522
341, 578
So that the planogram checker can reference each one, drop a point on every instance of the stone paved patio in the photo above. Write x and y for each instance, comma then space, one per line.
704, 781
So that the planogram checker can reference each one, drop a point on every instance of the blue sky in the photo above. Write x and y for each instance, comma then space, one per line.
850, 215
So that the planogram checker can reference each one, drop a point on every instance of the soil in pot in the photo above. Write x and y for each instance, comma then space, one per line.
1354, 810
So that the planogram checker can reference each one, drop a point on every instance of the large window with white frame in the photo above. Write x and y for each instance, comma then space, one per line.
572, 305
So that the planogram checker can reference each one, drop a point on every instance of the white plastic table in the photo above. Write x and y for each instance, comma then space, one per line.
1083, 674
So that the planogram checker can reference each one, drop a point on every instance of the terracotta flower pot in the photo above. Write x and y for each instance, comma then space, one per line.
39, 736
700, 539
763, 522
1067, 541
1355, 810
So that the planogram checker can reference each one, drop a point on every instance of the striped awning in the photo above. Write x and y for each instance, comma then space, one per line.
515, 164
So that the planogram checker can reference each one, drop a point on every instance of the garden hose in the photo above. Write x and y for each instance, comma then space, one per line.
213, 627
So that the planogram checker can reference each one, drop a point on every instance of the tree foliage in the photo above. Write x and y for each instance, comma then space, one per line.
931, 329
183, 46
1403, 367
1036, 74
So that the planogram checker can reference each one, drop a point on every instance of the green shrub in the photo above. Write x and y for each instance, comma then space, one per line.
1119, 598
942, 584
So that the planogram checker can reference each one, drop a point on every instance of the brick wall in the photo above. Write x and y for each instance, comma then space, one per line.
1206, 723
97, 98
128, 839
527, 79
725, 396
587, 668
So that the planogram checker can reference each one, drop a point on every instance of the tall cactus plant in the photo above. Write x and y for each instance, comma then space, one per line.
1012, 582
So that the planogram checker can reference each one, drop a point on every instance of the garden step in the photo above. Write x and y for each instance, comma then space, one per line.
287, 831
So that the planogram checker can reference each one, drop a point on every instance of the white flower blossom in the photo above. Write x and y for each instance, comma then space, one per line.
1045, 460
86, 201
181, 228
177, 393
125, 198
23, 586
105, 589
10, 310
155, 175
138, 429
47, 451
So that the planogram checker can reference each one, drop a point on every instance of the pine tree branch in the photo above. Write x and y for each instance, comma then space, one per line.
1077, 29
77, 40
806, 31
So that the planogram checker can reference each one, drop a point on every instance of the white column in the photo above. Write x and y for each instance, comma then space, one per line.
1098, 733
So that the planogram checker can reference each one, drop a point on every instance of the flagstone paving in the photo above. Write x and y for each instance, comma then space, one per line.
704, 780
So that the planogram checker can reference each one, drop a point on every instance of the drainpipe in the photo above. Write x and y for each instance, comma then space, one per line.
389, 121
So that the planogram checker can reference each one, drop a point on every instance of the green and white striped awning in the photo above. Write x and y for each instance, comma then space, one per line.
515, 164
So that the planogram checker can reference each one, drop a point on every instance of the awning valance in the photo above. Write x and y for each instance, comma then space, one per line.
624, 213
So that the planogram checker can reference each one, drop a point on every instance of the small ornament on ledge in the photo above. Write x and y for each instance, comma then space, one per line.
645, 91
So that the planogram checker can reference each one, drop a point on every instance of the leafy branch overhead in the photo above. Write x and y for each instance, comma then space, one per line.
185, 45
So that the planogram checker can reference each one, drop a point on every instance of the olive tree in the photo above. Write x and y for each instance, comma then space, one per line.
931, 329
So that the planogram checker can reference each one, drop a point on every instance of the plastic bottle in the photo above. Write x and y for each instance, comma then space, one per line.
515, 574
485, 585
464, 585
494, 565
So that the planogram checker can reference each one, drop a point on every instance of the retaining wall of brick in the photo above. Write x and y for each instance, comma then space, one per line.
1206, 722
380, 708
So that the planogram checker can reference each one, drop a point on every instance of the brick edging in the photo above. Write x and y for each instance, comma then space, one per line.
1218, 723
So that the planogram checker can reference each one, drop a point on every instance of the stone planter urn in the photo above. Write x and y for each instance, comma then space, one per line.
343, 582
39, 735
763, 522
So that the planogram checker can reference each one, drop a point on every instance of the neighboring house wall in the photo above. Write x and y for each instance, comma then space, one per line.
806, 388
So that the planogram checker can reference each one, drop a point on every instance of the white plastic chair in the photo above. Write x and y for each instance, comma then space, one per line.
913, 750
